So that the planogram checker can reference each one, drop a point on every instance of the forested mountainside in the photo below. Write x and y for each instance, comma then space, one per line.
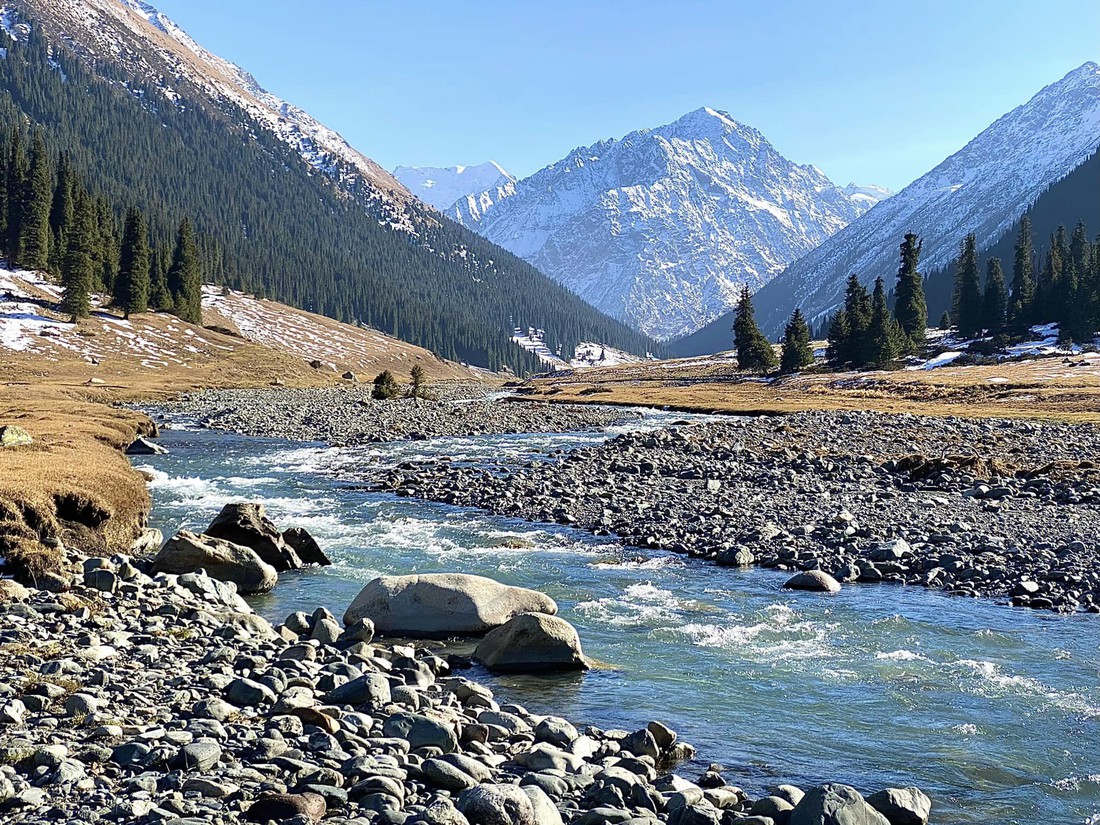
1073, 199
323, 237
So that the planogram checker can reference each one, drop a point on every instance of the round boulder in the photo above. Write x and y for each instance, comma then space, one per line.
497, 805
817, 581
532, 643
223, 560
835, 805
902, 806
438, 605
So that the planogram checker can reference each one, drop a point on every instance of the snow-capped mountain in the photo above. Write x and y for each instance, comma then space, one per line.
134, 35
982, 188
662, 228
462, 191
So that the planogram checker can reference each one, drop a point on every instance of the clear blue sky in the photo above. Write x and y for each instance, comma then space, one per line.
876, 91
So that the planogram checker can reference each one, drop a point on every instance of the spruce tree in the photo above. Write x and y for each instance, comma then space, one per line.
885, 338
61, 211
995, 299
1022, 309
840, 336
857, 307
184, 278
78, 272
945, 320
160, 299
417, 377
754, 352
34, 230
968, 289
385, 386
797, 353
133, 282
910, 307
16, 180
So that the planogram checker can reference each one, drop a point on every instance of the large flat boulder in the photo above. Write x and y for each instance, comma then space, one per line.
835, 804
437, 605
223, 560
245, 523
532, 643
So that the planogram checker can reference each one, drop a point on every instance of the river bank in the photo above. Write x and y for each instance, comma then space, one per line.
993, 508
348, 415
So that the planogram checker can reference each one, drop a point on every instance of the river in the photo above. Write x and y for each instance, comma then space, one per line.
994, 712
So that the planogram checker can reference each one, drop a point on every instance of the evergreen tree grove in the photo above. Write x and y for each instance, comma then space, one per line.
133, 282
910, 307
885, 338
754, 352
1023, 278
185, 278
797, 353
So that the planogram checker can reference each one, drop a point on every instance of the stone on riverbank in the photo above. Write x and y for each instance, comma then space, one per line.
13, 436
817, 581
143, 446
307, 548
437, 605
223, 560
532, 643
246, 524
902, 806
835, 804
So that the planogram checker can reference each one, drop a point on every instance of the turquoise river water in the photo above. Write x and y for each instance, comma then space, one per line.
995, 712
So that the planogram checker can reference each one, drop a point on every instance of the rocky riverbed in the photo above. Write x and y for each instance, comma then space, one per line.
350, 416
165, 699
992, 508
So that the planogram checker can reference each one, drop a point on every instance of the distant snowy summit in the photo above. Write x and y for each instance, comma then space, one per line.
458, 191
661, 228
867, 195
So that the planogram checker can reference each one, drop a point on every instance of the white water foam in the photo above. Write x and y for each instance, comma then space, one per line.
989, 680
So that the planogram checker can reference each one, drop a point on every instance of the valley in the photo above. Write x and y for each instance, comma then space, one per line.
667, 482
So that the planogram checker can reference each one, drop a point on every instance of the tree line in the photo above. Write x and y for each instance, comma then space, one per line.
51, 222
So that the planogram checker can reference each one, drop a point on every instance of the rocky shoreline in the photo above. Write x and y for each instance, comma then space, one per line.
164, 699
348, 415
999, 508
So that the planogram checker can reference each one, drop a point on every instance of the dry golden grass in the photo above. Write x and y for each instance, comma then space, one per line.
74, 483
1046, 388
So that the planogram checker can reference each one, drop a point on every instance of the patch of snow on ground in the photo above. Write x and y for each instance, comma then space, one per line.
532, 341
1044, 341
590, 354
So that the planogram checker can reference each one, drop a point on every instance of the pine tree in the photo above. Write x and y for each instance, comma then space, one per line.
968, 289
839, 335
160, 299
132, 284
34, 230
1077, 319
797, 352
945, 320
1022, 309
857, 307
78, 272
385, 386
910, 307
885, 338
416, 388
16, 180
61, 212
184, 278
995, 299
754, 352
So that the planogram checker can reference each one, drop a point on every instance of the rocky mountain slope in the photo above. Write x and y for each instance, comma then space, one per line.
662, 228
460, 192
982, 188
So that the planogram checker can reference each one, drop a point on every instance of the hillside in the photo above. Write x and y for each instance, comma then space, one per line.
983, 188
284, 205
662, 228
244, 342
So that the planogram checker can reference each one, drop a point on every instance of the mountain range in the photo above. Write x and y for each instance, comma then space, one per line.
663, 227
983, 188
282, 203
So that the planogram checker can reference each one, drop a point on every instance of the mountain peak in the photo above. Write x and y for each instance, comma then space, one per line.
443, 187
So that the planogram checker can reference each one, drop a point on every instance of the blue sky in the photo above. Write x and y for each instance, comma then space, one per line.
875, 92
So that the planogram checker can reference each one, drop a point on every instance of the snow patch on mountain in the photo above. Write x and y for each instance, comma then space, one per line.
867, 195
663, 227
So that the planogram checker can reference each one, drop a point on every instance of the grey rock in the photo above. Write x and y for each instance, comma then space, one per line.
532, 643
